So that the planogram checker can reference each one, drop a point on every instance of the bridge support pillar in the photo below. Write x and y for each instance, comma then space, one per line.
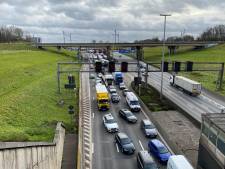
172, 49
139, 53
108, 49
79, 55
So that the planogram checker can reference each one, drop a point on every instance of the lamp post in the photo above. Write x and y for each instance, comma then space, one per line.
163, 53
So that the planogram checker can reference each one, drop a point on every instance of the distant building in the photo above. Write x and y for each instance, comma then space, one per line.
212, 142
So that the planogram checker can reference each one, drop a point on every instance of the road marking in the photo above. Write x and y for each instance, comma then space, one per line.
93, 148
117, 148
93, 98
93, 115
159, 134
141, 145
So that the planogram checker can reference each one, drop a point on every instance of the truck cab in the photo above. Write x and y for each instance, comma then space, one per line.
102, 97
118, 77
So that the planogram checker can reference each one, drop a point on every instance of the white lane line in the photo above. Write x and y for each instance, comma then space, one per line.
93, 115
93, 148
141, 145
93, 98
159, 134
117, 148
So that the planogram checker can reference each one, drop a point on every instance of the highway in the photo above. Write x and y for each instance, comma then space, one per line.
105, 153
194, 106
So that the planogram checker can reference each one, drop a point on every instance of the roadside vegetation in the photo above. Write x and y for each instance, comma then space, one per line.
213, 54
151, 98
29, 100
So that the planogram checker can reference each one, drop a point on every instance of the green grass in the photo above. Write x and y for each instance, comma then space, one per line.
29, 107
150, 97
208, 79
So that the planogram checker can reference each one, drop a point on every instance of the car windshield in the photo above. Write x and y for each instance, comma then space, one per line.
128, 114
110, 121
134, 103
149, 126
103, 101
125, 141
163, 150
150, 166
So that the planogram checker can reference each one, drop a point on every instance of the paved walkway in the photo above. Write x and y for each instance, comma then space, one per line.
70, 152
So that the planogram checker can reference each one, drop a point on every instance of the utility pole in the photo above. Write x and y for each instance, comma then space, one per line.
70, 38
64, 40
163, 53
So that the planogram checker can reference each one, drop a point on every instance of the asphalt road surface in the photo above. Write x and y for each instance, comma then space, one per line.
106, 154
194, 106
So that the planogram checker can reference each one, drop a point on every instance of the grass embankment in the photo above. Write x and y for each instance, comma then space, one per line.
29, 107
150, 97
213, 54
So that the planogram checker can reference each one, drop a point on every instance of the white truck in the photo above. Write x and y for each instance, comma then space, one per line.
178, 162
108, 79
187, 85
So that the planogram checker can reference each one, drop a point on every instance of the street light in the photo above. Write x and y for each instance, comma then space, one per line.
163, 53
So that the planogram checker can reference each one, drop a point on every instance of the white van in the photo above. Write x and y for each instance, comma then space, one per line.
133, 102
178, 162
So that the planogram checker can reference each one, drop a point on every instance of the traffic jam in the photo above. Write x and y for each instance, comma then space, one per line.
110, 89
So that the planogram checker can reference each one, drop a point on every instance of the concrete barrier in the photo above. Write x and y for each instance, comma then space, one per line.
33, 155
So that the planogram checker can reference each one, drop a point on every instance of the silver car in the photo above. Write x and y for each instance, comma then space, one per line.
110, 123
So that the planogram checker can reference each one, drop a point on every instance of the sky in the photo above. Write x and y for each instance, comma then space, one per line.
87, 20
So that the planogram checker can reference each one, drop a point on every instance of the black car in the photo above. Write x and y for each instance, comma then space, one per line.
115, 98
128, 115
124, 143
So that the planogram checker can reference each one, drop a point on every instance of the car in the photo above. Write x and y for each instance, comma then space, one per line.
115, 98
124, 143
148, 128
100, 75
159, 150
92, 76
91, 66
110, 123
122, 86
98, 81
125, 91
145, 161
142, 70
128, 115
112, 89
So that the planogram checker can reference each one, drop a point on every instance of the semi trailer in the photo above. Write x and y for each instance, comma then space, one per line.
187, 85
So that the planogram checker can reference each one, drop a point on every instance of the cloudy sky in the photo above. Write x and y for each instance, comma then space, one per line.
87, 20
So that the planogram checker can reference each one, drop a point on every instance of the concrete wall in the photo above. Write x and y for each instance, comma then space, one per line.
33, 155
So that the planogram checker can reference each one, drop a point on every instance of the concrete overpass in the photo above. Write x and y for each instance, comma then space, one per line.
105, 45
172, 46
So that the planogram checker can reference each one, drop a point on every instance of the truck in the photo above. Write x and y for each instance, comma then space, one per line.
102, 97
187, 85
178, 162
118, 78
108, 79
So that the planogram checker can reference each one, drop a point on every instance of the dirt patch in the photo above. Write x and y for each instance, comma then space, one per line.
181, 131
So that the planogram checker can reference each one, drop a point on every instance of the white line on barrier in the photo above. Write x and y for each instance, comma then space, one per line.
141, 145
117, 148
93, 148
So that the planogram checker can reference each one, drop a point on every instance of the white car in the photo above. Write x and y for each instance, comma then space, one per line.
122, 86
110, 123
112, 89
